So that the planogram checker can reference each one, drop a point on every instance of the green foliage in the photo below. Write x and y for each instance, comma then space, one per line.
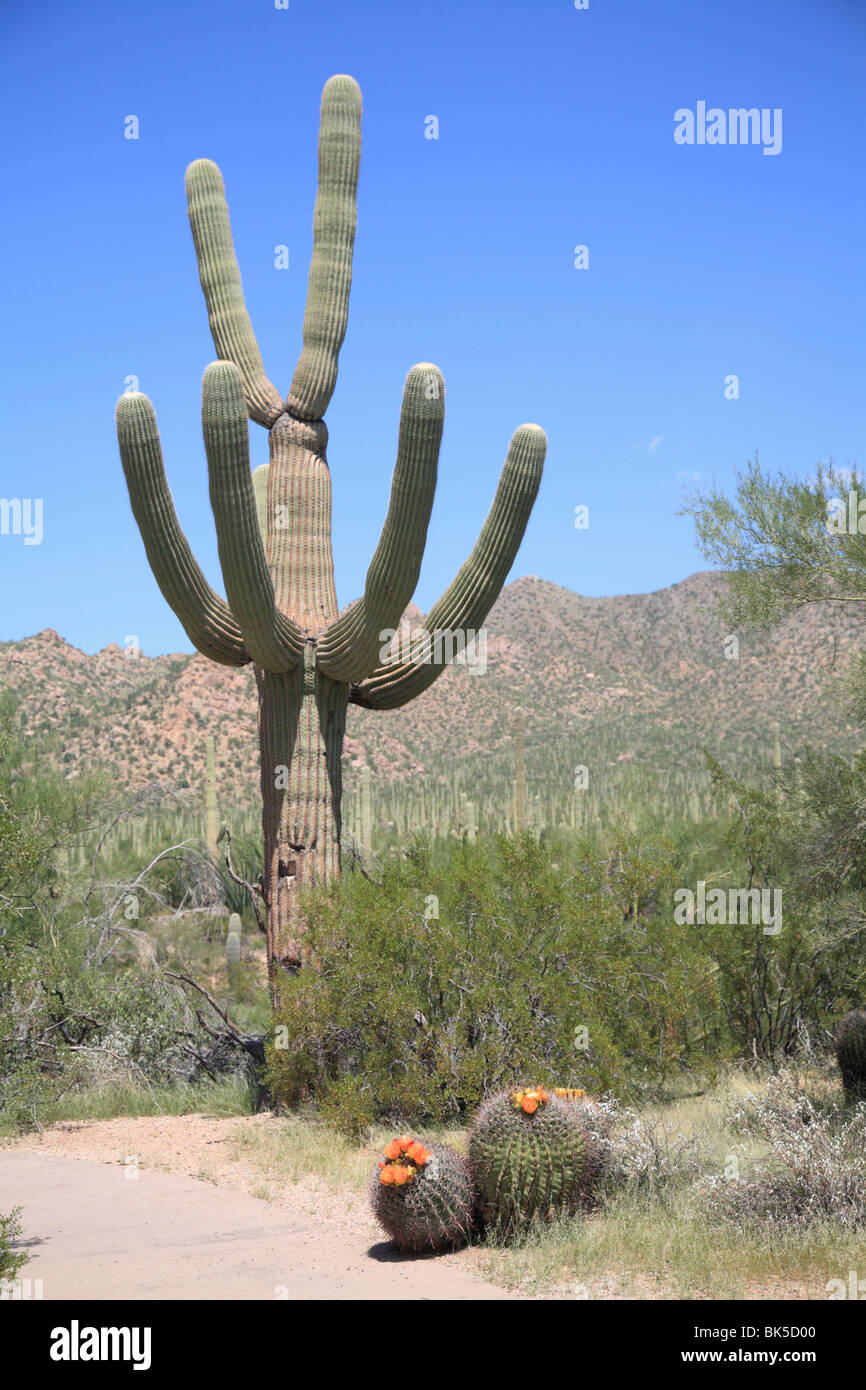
775, 539
248, 860
347, 1108
10, 1231
527, 969
433, 1212
81, 1002
799, 837
528, 1166
139, 1024
39, 814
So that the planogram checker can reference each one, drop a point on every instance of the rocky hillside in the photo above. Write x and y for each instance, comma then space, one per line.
638, 680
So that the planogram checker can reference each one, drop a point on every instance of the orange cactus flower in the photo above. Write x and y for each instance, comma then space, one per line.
392, 1150
405, 1141
401, 1174
386, 1176
418, 1154
528, 1099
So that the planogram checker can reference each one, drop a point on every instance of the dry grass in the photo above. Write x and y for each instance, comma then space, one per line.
654, 1235
659, 1240
651, 1238
292, 1148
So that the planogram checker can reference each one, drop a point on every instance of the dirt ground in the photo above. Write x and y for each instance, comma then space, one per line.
166, 1207
155, 1207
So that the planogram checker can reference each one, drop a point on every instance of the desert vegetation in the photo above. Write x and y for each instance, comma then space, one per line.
724, 1137
572, 980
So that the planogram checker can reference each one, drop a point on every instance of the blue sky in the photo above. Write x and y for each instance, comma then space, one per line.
555, 129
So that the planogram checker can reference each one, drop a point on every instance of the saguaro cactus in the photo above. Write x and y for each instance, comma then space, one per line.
211, 828
366, 808
274, 529
233, 942
519, 772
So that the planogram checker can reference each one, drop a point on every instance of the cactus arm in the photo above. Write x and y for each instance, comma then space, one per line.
348, 650
468, 600
260, 488
273, 640
231, 330
334, 222
206, 618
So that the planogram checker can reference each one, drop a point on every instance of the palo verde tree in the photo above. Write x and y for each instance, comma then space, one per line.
786, 543
274, 530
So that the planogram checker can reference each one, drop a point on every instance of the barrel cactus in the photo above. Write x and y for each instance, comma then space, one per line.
233, 943
850, 1040
530, 1157
422, 1195
597, 1118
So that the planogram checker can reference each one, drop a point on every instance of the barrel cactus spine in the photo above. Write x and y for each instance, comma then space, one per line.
529, 1157
274, 531
422, 1195
850, 1043
597, 1119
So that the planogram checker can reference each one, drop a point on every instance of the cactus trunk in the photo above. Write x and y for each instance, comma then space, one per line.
302, 720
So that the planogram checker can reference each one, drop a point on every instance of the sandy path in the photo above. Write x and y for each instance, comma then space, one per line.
195, 1224
93, 1230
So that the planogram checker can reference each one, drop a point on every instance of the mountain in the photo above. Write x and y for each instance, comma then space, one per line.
634, 684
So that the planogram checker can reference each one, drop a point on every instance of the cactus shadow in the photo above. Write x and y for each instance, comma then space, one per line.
386, 1253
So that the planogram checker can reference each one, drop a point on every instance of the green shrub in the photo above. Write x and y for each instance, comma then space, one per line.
347, 1108
528, 969
10, 1230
